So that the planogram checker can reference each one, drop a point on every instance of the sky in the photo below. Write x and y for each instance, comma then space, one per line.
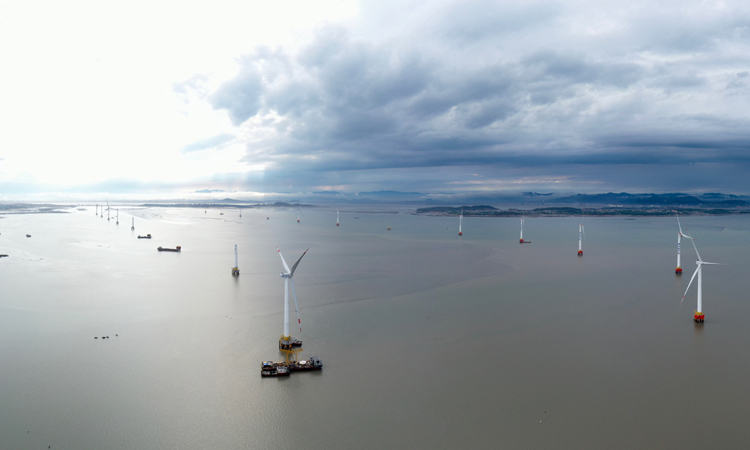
267, 100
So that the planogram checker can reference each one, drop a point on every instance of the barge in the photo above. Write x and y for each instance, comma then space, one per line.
274, 369
164, 249
148, 236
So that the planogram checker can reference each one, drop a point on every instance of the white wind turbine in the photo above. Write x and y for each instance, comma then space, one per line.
337, 217
118, 217
287, 341
580, 238
107, 209
698, 316
460, 223
680, 235
521, 241
96, 211
132, 226
299, 211
236, 268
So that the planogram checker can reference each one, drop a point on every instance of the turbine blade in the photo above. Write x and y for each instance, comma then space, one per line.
296, 308
678, 223
282, 260
294, 267
692, 241
691, 282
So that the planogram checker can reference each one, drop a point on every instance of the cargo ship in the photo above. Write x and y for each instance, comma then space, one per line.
164, 249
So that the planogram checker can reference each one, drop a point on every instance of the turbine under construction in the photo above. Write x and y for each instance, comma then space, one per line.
287, 342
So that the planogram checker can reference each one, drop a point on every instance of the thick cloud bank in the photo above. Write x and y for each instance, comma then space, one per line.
583, 96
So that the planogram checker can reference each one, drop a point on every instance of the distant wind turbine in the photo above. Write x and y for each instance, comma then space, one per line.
460, 223
521, 240
580, 238
236, 268
337, 217
680, 235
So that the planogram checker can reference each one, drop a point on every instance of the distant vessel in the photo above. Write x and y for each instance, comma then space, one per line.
221, 214
148, 236
164, 249
274, 369
28, 235
3, 256
314, 363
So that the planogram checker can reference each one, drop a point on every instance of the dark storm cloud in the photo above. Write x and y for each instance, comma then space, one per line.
497, 86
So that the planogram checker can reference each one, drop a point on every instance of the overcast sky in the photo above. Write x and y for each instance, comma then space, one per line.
156, 98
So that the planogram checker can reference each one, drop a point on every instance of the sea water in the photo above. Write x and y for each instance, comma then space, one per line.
428, 339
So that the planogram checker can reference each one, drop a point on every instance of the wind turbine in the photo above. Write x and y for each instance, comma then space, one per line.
299, 211
580, 238
522, 217
96, 211
236, 268
240, 212
118, 217
107, 209
337, 217
132, 227
460, 222
286, 342
680, 235
698, 315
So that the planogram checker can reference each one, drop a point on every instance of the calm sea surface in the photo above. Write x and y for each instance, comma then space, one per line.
428, 340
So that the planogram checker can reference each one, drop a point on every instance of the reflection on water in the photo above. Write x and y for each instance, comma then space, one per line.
429, 340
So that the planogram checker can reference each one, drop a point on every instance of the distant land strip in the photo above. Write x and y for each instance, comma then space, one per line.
565, 211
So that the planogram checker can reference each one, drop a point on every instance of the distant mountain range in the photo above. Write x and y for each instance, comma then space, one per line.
625, 199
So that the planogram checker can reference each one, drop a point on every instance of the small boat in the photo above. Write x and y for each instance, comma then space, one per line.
28, 235
314, 363
274, 369
148, 236
3, 256
164, 249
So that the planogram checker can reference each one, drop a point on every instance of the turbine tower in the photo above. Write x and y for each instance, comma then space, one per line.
132, 226
580, 238
236, 268
698, 315
337, 217
460, 222
521, 240
299, 210
107, 209
680, 235
118, 217
96, 211
286, 342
